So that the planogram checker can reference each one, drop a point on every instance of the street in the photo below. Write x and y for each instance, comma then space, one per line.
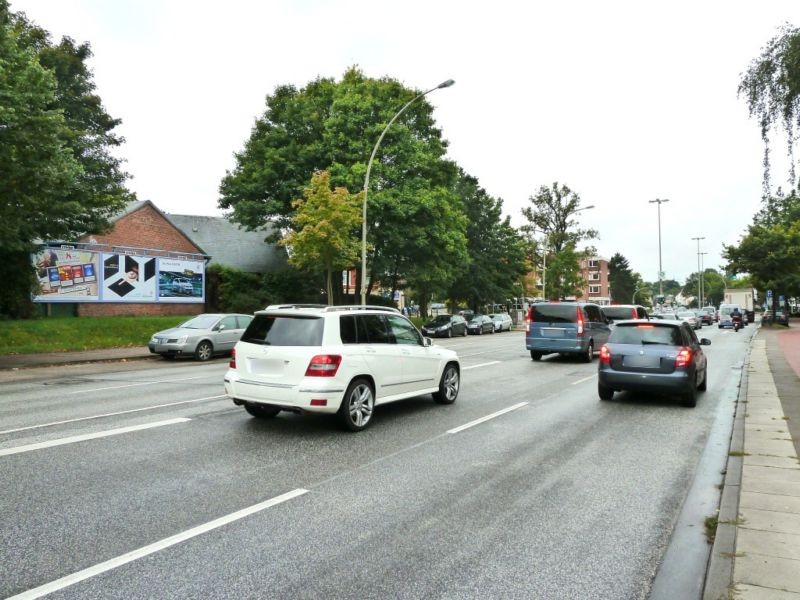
557, 495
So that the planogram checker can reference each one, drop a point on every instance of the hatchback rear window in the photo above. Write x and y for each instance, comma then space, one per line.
553, 313
272, 330
646, 334
619, 312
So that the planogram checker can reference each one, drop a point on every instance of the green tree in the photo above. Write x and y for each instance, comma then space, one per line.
324, 223
771, 86
333, 126
621, 279
564, 278
496, 251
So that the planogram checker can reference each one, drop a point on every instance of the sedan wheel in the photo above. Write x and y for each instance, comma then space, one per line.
448, 386
450, 332
204, 351
356, 409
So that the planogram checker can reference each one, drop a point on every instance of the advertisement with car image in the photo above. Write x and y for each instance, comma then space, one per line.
181, 280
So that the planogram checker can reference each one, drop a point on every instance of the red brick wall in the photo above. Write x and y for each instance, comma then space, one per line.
113, 309
146, 228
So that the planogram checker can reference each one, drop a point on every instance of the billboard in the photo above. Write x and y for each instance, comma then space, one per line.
83, 275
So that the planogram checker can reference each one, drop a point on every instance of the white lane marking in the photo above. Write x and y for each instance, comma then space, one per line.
584, 379
63, 582
90, 436
112, 414
494, 362
127, 385
486, 418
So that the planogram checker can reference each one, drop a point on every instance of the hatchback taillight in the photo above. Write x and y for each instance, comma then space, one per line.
684, 357
323, 365
232, 363
605, 355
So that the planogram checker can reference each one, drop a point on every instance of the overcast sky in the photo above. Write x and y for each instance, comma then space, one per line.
623, 102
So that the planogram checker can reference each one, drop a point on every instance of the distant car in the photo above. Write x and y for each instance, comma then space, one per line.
662, 357
502, 322
621, 312
691, 318
445, 326
201, 337
781, 318
181, 285
480, 324
576, 328
667, 316
725, 311
708, 314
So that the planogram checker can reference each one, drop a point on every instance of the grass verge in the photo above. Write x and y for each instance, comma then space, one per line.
84, 333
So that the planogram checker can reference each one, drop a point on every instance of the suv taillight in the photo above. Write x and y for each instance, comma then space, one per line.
605, 355
580, 322
232, 363
323, 365
683, 358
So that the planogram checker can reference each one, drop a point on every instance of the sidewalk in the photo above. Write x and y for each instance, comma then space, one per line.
757, 551
26, 361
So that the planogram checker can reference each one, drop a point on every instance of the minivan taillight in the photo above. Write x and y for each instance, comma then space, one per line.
323, 365
580, 322
684, 357
605, 355
232, 363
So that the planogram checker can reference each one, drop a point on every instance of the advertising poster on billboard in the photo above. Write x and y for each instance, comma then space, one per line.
128, 278
181, 280
66, 275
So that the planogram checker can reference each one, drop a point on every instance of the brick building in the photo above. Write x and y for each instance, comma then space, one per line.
594, 272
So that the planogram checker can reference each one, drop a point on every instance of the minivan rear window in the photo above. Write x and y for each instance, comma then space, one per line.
619, 312
274, 330
554, 313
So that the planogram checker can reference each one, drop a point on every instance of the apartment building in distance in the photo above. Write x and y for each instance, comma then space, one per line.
594, 271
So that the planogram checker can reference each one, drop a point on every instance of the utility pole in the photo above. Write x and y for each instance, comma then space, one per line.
703, 280
699, 289
660, 272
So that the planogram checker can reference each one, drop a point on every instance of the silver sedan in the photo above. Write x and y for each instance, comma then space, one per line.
201, 337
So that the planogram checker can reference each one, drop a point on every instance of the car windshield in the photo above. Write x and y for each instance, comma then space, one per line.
554, 313
201, 322
646, 334
274, 330
619, 312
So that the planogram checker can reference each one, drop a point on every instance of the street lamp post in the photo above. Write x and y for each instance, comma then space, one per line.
703, 278
444, 84
699, 289
660, 275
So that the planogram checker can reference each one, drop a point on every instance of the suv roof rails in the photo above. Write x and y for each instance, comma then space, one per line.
283, 306
361, 307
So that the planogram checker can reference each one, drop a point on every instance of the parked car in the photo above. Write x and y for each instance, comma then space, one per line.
502, 322
663, 357
181, 285
445, 326
708, 314
343, 360
480, 324
575, 328
200, 337
620, 312
781, 318
665, 316
691, 318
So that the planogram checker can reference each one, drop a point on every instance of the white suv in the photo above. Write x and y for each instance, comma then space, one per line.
336, 359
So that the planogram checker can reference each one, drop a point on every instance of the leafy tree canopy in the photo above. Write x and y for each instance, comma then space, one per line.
551, 212
771, 86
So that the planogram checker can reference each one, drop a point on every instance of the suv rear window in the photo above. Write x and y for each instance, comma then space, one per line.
273, 330
646, 334
619, 312
554, 313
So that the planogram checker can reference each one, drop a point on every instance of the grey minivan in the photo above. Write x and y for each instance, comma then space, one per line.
578, 328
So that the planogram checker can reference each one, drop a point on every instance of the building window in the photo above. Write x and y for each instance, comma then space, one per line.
594, 276
594, 289
593, 264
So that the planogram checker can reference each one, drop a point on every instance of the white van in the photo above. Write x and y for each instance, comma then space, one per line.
725, 311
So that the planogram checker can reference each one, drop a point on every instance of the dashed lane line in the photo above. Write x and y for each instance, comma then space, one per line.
486, 418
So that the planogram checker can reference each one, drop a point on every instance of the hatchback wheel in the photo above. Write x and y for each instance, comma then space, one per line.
357, 406
589, 356
261, 411
690, 398
204, 351
605, 393
703, 386
448, 386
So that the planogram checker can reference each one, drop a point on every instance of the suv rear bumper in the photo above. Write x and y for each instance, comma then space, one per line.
297, 398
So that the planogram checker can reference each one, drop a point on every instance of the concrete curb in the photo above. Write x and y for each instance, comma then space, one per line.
720, 565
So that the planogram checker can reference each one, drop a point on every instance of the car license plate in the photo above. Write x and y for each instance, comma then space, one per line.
552, 332
641, 361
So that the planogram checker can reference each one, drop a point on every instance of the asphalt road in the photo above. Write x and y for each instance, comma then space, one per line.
560, 496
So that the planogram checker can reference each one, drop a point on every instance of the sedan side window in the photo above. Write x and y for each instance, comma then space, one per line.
403, 331
243, 322
228, 323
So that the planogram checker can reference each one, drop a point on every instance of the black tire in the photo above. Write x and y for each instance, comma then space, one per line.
450, 332
261, 411
493, 329
689, 399
358, 405
204, 351
605, 393
537, 356
589, 356
480, 331
449, 385
703, 386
